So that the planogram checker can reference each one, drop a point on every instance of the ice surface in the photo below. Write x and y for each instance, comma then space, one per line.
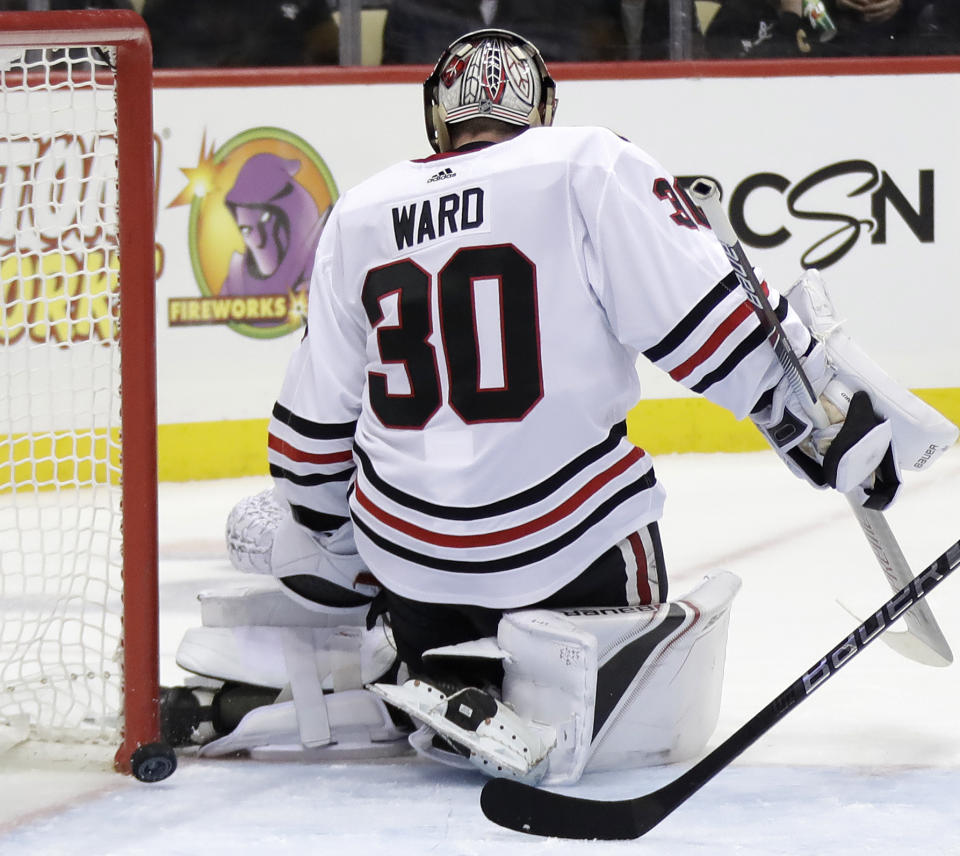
869, 764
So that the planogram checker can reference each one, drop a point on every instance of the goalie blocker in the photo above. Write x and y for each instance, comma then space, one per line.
877, 428
584, 690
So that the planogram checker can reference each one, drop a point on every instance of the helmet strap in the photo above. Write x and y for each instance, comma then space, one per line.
442, 131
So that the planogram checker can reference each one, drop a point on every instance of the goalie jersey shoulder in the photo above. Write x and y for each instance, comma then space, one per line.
418, 203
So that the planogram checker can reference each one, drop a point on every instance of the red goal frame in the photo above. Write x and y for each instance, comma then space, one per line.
125, 30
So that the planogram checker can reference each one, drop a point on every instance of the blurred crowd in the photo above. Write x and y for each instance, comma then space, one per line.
257, 33
785, 28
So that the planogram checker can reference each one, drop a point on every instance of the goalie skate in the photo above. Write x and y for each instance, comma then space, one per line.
477, 726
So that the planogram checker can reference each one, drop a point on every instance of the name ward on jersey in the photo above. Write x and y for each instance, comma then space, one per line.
434, 217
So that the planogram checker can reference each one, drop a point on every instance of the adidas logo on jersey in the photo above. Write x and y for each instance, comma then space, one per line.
440, 176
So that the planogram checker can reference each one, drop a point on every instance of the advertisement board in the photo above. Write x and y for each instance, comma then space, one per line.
849, 167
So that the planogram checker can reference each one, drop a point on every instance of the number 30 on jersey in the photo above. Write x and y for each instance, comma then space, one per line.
489, 337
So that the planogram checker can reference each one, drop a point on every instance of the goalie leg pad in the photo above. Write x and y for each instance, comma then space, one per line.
623, 687
259, 601
593, 689
343, 657
317, 702
359, 723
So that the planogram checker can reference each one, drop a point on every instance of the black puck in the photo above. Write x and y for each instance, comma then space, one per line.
153, 762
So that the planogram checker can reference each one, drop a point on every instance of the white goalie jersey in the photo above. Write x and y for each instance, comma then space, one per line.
474, 323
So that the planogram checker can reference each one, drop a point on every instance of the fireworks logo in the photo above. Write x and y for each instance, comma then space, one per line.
257, 207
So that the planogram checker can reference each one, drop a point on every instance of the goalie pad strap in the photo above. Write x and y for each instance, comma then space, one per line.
303, 667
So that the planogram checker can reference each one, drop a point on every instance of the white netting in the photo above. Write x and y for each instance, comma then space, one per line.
60, 524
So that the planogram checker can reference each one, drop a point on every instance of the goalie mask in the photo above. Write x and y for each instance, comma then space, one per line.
488, 73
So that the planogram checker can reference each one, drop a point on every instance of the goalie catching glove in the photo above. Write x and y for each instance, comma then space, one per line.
321, 571
876, 427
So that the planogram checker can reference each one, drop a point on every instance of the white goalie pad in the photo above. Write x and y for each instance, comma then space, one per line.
625, 687
920, 433
593, 689
342, 657
260, 601
322, 710
358, 726
255, 634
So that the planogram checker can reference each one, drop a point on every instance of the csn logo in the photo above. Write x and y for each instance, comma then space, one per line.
850, 199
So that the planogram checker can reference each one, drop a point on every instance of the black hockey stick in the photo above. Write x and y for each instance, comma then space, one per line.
706, 194
923, 641
526, 809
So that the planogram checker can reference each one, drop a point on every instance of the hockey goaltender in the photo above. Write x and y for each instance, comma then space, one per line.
461, 551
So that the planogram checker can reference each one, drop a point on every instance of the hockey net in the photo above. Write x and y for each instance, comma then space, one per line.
78, 554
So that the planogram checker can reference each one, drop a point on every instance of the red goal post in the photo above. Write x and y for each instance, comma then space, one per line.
61, 453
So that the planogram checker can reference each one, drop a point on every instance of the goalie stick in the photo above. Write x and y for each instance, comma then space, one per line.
524, 808
923, 641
